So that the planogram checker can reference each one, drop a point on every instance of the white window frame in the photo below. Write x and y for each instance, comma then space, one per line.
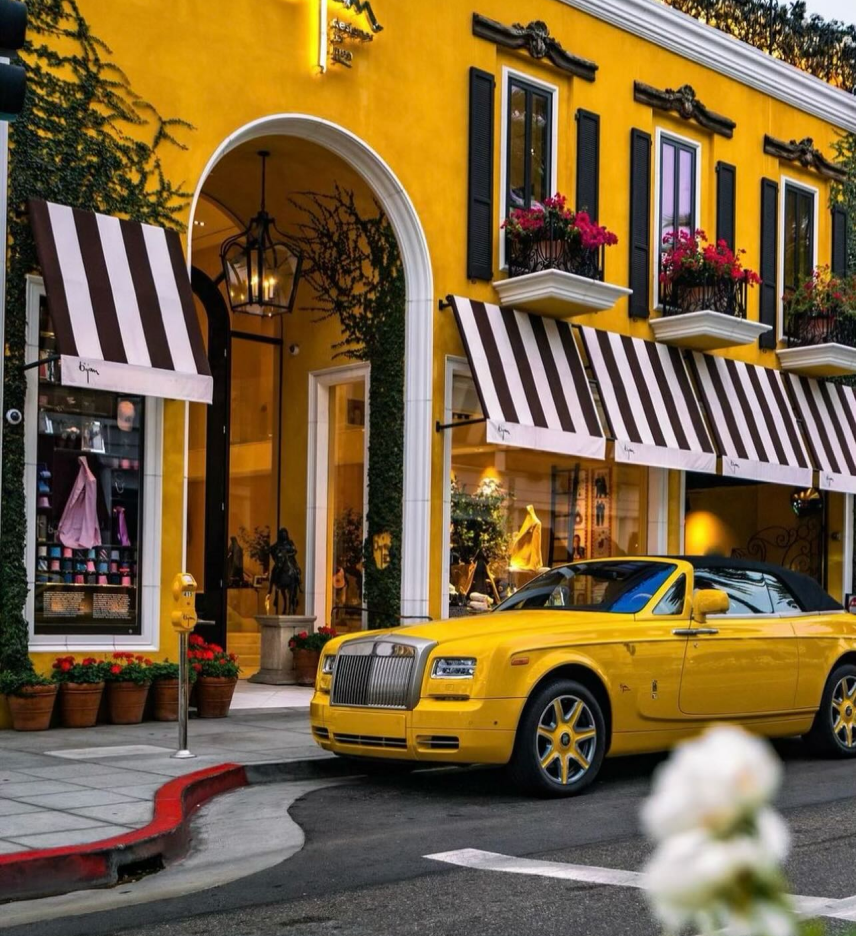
150, 534
784, 182
317, 481
507, 74
659, 133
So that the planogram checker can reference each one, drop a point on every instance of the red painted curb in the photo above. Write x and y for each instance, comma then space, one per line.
50, 871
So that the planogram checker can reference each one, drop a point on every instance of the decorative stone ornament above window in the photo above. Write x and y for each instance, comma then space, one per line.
686, 104
535, 39
804, 153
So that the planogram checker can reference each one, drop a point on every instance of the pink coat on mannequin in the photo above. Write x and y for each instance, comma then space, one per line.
78, 527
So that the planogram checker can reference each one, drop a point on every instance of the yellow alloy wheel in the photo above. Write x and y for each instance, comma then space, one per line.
844, 711
566, 740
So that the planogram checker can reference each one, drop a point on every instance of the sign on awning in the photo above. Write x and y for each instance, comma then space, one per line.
530, 379
752, 421
121, 304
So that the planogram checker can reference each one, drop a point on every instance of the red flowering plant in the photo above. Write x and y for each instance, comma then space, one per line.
551, 235
210, 659
129, 667
822, 309
69, 669
697, 274
312, 641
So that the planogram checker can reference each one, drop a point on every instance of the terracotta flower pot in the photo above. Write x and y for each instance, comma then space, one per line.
78, 704
127, 702
165, 693
32, 709
306, 666
214, 695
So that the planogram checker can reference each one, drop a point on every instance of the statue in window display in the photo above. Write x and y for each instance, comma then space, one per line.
285, 576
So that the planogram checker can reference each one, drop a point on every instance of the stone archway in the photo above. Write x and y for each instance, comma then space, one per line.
418, 328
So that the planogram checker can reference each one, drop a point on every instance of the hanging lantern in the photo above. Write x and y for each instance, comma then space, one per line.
260, 266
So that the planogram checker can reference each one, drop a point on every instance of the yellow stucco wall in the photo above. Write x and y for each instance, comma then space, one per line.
219, 66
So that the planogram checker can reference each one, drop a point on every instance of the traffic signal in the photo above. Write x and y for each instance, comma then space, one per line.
13, 78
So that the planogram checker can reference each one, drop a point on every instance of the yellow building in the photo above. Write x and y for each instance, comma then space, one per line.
602, 418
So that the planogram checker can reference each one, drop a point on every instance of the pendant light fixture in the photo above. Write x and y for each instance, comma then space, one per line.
261, 267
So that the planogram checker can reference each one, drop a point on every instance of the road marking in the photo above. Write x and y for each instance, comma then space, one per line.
479, 860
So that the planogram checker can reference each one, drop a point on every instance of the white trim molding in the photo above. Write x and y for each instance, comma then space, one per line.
317, 480
419, 322
821, 360
693, 40
553, 90
150, 556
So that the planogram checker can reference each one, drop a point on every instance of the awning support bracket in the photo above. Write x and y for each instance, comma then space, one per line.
445, 303
441, 427
44, 360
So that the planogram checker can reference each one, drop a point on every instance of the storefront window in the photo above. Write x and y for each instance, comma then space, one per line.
88, 504
515, 512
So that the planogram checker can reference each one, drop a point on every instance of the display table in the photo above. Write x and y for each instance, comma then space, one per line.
277, 660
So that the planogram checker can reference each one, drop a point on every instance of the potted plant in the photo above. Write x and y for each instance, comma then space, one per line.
128, 679
553, 236
164, 692
31, 699
216, 677
822, 309
257, 543
697, 275
81, 686
307, 649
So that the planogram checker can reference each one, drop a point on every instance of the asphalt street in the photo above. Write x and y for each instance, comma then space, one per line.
363, 870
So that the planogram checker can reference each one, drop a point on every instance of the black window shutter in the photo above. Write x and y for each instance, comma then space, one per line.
480, 219
726, 191
839, 241
640, 223
769, 261
588, 162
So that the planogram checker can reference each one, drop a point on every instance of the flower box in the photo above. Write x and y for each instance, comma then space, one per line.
555, 260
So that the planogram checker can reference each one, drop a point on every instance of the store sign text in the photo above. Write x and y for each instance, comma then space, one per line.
339, 37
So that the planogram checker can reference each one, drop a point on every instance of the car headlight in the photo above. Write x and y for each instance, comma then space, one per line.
328, 665
454, 668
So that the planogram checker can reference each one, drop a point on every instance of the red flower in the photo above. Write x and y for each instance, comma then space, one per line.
65, 666
222, 661
233, 657
208, 655
147, 661
115, 669
197, 667
215, 648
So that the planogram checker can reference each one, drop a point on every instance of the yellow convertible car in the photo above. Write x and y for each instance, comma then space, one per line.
597, 659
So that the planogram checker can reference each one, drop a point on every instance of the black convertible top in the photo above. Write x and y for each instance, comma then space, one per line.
809, 595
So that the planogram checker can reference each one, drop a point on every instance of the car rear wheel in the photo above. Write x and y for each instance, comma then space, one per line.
561, 740
834, 730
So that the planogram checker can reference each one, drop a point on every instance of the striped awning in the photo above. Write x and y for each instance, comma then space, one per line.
753, 424
649, 402
828, 416
121, 304
530, 380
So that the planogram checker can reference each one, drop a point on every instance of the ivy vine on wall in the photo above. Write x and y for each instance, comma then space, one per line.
87, 140
354, 268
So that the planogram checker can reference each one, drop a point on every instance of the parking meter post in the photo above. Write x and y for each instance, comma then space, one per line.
183, 621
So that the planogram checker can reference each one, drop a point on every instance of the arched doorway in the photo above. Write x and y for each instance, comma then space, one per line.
310, 133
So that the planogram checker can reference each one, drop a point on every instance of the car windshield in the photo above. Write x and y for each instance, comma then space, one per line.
620, 587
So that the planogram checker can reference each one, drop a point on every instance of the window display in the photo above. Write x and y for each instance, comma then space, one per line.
88, 504
515, 512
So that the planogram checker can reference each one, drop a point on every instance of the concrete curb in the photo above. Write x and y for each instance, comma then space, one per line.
50, 871
47, 872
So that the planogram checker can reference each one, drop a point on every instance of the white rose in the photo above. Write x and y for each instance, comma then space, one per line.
711, 782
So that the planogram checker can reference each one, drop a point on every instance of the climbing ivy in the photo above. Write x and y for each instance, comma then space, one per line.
355, 270
84, 139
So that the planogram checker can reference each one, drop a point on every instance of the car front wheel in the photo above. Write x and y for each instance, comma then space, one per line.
834, 730
561, 740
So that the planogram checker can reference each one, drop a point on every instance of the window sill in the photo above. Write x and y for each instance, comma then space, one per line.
558, 294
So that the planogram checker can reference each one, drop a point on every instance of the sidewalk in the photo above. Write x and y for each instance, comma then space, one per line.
68, 787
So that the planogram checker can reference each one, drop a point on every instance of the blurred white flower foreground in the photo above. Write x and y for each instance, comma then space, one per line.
720, 846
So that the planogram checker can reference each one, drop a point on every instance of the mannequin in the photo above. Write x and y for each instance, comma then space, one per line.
525, 552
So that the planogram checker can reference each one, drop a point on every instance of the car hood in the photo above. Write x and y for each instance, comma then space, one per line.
507, 623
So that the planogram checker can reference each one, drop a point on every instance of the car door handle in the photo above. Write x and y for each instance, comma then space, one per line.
694, 631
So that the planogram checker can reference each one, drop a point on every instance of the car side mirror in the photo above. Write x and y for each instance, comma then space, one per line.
709, 601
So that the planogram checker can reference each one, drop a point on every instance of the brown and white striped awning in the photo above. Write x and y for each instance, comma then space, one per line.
121, 304
753, 423
649, 402
530, 380
828, 416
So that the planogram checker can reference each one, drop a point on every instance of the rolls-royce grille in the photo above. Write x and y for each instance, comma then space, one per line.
373, 741
372, 681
